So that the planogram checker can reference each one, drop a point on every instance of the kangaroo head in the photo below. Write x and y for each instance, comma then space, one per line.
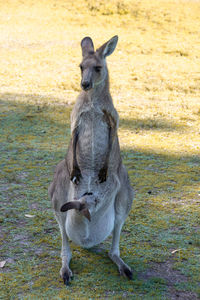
93, 66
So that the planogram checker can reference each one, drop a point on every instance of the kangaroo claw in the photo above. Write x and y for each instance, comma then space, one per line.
76, 176
102, 175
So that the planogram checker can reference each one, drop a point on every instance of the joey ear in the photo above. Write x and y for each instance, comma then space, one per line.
87, 45
108, 48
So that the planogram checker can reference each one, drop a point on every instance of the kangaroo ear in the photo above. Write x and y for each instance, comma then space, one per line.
70, 205
87, 46
86, 213
108, 48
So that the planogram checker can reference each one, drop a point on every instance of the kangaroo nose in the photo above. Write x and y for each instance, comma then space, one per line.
85, 85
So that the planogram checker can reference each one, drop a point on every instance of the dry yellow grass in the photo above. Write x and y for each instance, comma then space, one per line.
155, 71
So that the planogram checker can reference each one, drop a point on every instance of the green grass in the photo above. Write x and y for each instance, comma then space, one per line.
162, 218
155, 86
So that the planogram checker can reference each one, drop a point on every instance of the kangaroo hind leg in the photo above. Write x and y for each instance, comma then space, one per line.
114, 253
122, 207
58, 192
65, 272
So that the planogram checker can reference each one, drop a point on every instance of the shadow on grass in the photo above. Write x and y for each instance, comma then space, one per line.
151, 124
32, 99
164, 216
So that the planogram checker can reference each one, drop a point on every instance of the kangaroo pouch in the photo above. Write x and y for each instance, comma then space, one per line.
87, 233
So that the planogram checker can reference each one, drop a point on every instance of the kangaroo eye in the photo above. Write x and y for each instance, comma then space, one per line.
97, 69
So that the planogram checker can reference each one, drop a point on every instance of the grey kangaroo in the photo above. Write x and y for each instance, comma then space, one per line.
91, 194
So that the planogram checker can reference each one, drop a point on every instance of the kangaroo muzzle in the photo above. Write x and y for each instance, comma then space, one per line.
86, 82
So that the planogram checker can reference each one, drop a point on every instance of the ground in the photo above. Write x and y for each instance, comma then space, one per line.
155, 84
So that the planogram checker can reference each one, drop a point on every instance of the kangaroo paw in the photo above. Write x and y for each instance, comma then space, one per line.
76, 176
102, 175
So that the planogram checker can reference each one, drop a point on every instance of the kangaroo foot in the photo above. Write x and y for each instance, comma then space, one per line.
66, 275
124, 269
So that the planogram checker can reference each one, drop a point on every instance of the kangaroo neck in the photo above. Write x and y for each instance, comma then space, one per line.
100, 89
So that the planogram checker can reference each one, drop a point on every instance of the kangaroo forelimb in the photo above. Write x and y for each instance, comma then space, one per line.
75, 175
112, 133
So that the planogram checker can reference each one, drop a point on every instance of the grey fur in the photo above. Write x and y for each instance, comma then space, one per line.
92, 172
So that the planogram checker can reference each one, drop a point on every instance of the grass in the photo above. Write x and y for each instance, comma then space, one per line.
155, 78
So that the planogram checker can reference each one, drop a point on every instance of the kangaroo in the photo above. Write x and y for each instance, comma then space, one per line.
91, 194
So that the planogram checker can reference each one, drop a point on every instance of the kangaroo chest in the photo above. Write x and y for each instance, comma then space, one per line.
93, 141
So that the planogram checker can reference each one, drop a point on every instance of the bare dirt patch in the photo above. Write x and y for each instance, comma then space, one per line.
172, 277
